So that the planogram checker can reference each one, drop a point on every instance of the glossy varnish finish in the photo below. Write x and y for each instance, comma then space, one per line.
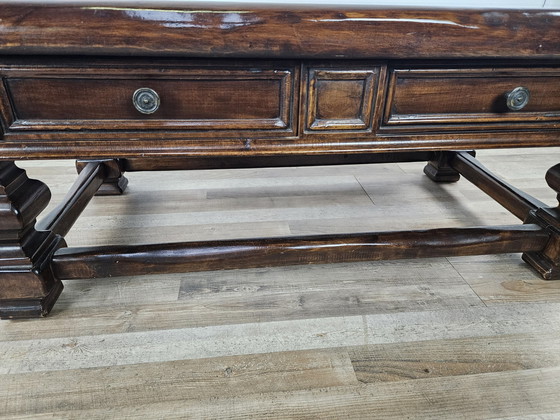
70, 108
341, 99
198, 29
28, 287
202, 256
226, 255
471, 96
514, 200
255, 86
257, 97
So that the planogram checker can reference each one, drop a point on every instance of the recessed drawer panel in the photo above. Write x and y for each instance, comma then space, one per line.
150, 99
467, 96
340, 99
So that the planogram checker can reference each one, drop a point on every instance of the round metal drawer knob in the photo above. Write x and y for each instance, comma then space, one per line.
518, 98
146, 100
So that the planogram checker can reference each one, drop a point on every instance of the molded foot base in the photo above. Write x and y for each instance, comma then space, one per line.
115, 186
30, 308
439, 174
439, 170
546, 268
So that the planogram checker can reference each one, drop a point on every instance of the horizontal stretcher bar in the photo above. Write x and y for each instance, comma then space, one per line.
111, 261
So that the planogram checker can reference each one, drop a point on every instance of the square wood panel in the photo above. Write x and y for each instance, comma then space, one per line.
341, 99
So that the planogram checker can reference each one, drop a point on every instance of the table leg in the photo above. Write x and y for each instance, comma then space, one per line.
28, 286
547, 261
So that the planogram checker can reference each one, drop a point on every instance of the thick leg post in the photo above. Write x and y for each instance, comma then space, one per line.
115, 183
547, 261
28, 287
439, 168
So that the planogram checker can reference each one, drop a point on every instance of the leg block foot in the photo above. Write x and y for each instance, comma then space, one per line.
30, 307
547, 261
439, 170
115, 182
543, 265
115, 186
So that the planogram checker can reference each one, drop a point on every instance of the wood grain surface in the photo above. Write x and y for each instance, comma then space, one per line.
211, 29
470, 96
461, 337
55, 107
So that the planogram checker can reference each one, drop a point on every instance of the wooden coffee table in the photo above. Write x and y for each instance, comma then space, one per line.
184, 85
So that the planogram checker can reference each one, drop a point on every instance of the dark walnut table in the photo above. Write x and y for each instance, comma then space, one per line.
131, 86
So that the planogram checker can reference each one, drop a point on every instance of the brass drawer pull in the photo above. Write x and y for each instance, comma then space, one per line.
518, 98
146, 100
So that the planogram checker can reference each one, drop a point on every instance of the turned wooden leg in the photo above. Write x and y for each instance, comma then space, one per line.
28, 287
547, 261
115, 183
440, 170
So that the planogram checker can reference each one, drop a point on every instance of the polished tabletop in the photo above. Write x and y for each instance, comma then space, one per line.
273, 29
446, 4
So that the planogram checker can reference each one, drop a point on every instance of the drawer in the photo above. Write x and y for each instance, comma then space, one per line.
340, 99
207, 98
472, 96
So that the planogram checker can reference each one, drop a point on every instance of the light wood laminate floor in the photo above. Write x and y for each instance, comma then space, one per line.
458, 338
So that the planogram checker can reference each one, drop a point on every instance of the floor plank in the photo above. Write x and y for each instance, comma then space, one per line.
463, 337
502, 394
132, 385
129, 347
453, 357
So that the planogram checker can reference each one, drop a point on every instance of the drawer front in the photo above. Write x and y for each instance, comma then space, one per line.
191, 99
468, 96
340, 99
